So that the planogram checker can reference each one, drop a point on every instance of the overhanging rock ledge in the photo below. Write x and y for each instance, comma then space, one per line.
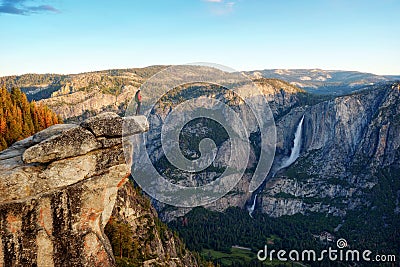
58, 190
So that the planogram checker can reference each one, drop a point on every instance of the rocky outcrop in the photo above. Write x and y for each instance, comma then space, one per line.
153, 243
81, 104
76, 97
58, 190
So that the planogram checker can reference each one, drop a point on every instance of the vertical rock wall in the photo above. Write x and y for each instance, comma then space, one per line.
58, 190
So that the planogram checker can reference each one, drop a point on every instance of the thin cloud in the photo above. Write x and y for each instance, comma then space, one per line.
45, 8
18, 7
221, 7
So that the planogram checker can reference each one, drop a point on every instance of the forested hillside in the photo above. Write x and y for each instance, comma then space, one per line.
20, 118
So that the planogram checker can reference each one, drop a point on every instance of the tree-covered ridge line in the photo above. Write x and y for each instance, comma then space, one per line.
42, 86
20, 118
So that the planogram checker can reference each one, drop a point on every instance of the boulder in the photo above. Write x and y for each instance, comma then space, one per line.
58, 190
110, 124
71, 143
105, 124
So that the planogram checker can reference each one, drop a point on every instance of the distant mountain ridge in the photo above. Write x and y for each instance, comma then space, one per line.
318, 81
78, 96
43, 86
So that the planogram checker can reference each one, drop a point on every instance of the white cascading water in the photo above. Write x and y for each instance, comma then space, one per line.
251, 209
294, 154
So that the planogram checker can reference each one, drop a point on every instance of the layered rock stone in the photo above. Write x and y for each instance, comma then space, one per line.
58, 190
346, 141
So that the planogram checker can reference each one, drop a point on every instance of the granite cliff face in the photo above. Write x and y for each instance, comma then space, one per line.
58, 191
153, 243
76, 97
78, 105
346, 143
60, 187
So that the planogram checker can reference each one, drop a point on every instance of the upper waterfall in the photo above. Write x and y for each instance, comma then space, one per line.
295, 153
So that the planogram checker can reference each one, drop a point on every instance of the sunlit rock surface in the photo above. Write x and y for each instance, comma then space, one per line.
58, 190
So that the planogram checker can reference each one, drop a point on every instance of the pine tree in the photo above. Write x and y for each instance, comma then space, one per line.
20, 119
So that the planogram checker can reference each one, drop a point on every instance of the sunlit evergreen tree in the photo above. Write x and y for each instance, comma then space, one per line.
20, 119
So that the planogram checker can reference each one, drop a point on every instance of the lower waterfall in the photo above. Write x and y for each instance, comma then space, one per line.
294, 155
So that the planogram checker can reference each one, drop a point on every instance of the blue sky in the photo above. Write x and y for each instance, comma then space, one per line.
71, 36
